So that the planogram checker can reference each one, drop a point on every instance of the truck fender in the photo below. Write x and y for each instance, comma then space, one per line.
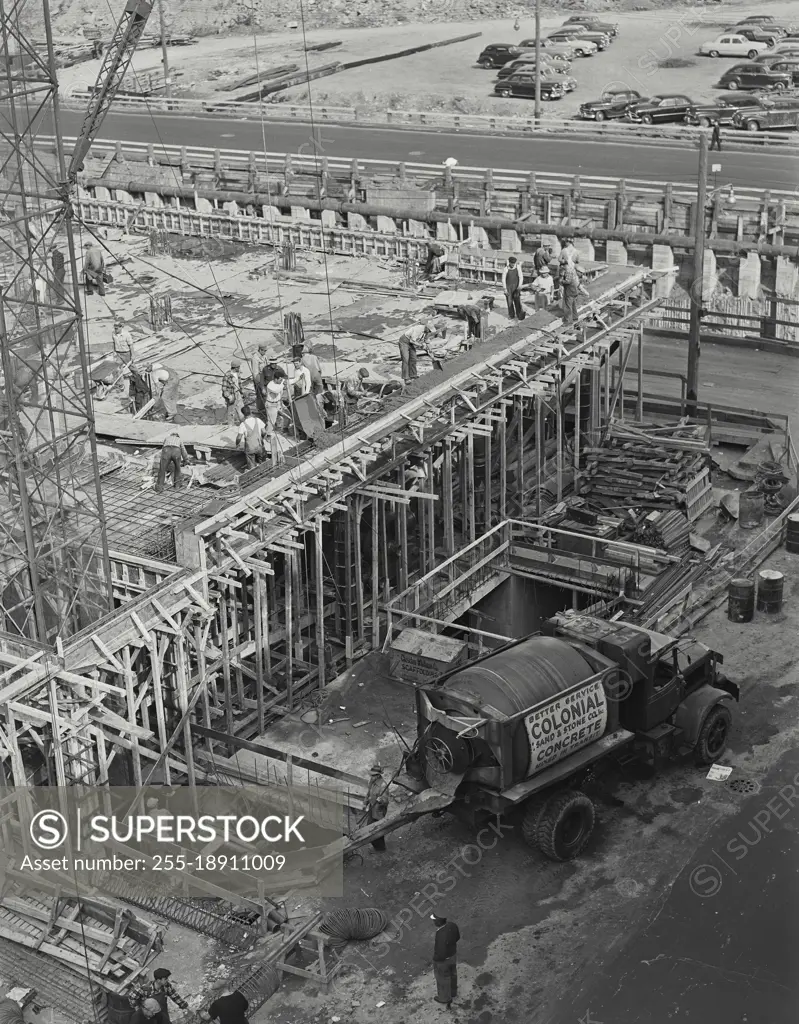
692, 712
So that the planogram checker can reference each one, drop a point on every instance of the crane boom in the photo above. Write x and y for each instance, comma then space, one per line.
115, 63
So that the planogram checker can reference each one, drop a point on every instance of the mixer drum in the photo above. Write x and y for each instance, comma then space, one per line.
514, 680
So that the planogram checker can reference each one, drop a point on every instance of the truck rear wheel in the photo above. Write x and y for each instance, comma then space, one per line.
533, 810
565, 825
712, 740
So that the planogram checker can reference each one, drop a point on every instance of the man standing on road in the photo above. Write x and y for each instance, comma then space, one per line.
375, 803
512, 286
173, 454
251, 434
445, 959
715, 136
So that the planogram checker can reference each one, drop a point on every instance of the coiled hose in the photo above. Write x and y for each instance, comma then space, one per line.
343, 925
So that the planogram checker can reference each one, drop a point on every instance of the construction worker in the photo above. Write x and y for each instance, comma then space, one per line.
229, 1007
232, 393
445, 959
433, 266
93, 269
715, 136
409, 343
251, 434
314, 367
138, 389
301, 381
161, 989
544, 288
568, 254
164, 386
261, 374
173, 455
512, 281
375, 803
542, 257
571, 289
123, 341
275, 394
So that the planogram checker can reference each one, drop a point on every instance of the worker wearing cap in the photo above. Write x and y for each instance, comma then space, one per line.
512, 281
409, 343
232, 393
149, 1012
375, 803
173, 456
273, 399
544, 288
311, 363
138, 389
123, 341
445, 959
261, 374
161, 990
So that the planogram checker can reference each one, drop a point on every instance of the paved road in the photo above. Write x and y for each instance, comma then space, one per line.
599, 159
742, 377
724, 944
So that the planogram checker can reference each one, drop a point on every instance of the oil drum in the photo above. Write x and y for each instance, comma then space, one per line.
792, 534
741, 600
751, 510
769, 591
118, 1009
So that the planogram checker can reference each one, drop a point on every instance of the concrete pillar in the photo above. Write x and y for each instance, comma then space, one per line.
355, 222
386, 225
231, 208
749, 276
122, 197
709, 275
203, 205
452, 266
663, 259
617, 253
553, 242
585, 249
272, 213
152, 199
510, 241
300, 213
445, 232
103, 194
786, 284
417, 229
479, 236
329, 219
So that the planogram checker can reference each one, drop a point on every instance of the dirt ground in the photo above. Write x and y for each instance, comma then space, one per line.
448, 78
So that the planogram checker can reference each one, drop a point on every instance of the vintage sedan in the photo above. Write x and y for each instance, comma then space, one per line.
612, 104
660, 109
594, 22
722, 110
754, 76
731, 45
523, 84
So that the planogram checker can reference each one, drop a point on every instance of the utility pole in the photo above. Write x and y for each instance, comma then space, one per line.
165, 55
537, 63
697, 296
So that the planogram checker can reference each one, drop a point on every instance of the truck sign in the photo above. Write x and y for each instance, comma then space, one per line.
566, 723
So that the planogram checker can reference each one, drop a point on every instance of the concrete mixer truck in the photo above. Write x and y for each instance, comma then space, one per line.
522, 729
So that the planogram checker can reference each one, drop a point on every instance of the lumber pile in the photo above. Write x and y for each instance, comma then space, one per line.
669, 531
651, 467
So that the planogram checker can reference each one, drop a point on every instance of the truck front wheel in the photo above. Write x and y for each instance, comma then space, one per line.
564, 825
713, 738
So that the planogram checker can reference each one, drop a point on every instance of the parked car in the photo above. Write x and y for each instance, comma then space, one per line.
528, 65
785, 48
729, 45
613, 103
594, 22
723, 110
768, 34
754, 76
498, 54
765, 21
565, 49
578, 34
580, 46
523, 84
775, 114
659, 109
790, 67
528, 48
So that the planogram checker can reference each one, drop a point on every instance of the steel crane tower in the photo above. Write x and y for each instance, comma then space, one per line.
55, 576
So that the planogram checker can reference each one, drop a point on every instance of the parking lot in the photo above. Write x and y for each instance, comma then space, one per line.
655, 52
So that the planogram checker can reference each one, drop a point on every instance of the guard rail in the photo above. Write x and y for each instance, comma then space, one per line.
276, 163
609, 131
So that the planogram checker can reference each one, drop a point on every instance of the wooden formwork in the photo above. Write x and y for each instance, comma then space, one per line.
281, 589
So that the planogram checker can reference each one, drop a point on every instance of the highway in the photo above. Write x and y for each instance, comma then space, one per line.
769, 170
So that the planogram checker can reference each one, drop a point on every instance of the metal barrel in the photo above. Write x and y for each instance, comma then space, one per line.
751, 510
769, 591
118, 1009
741, 600
792, 534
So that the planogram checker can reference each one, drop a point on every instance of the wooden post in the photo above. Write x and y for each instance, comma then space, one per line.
402, 522
639, 412
234, 629
259, 601
300, 604
156, 659
201, 671
622, 363
225, 645
559, 442
431, 513
320, 601
357, 512
289, 633
539, 451
520, 473
577, 397
503, 465
58, 748
470, 507
489, 498
131, 696
182, 680
375, 574
607, 386
449, 524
